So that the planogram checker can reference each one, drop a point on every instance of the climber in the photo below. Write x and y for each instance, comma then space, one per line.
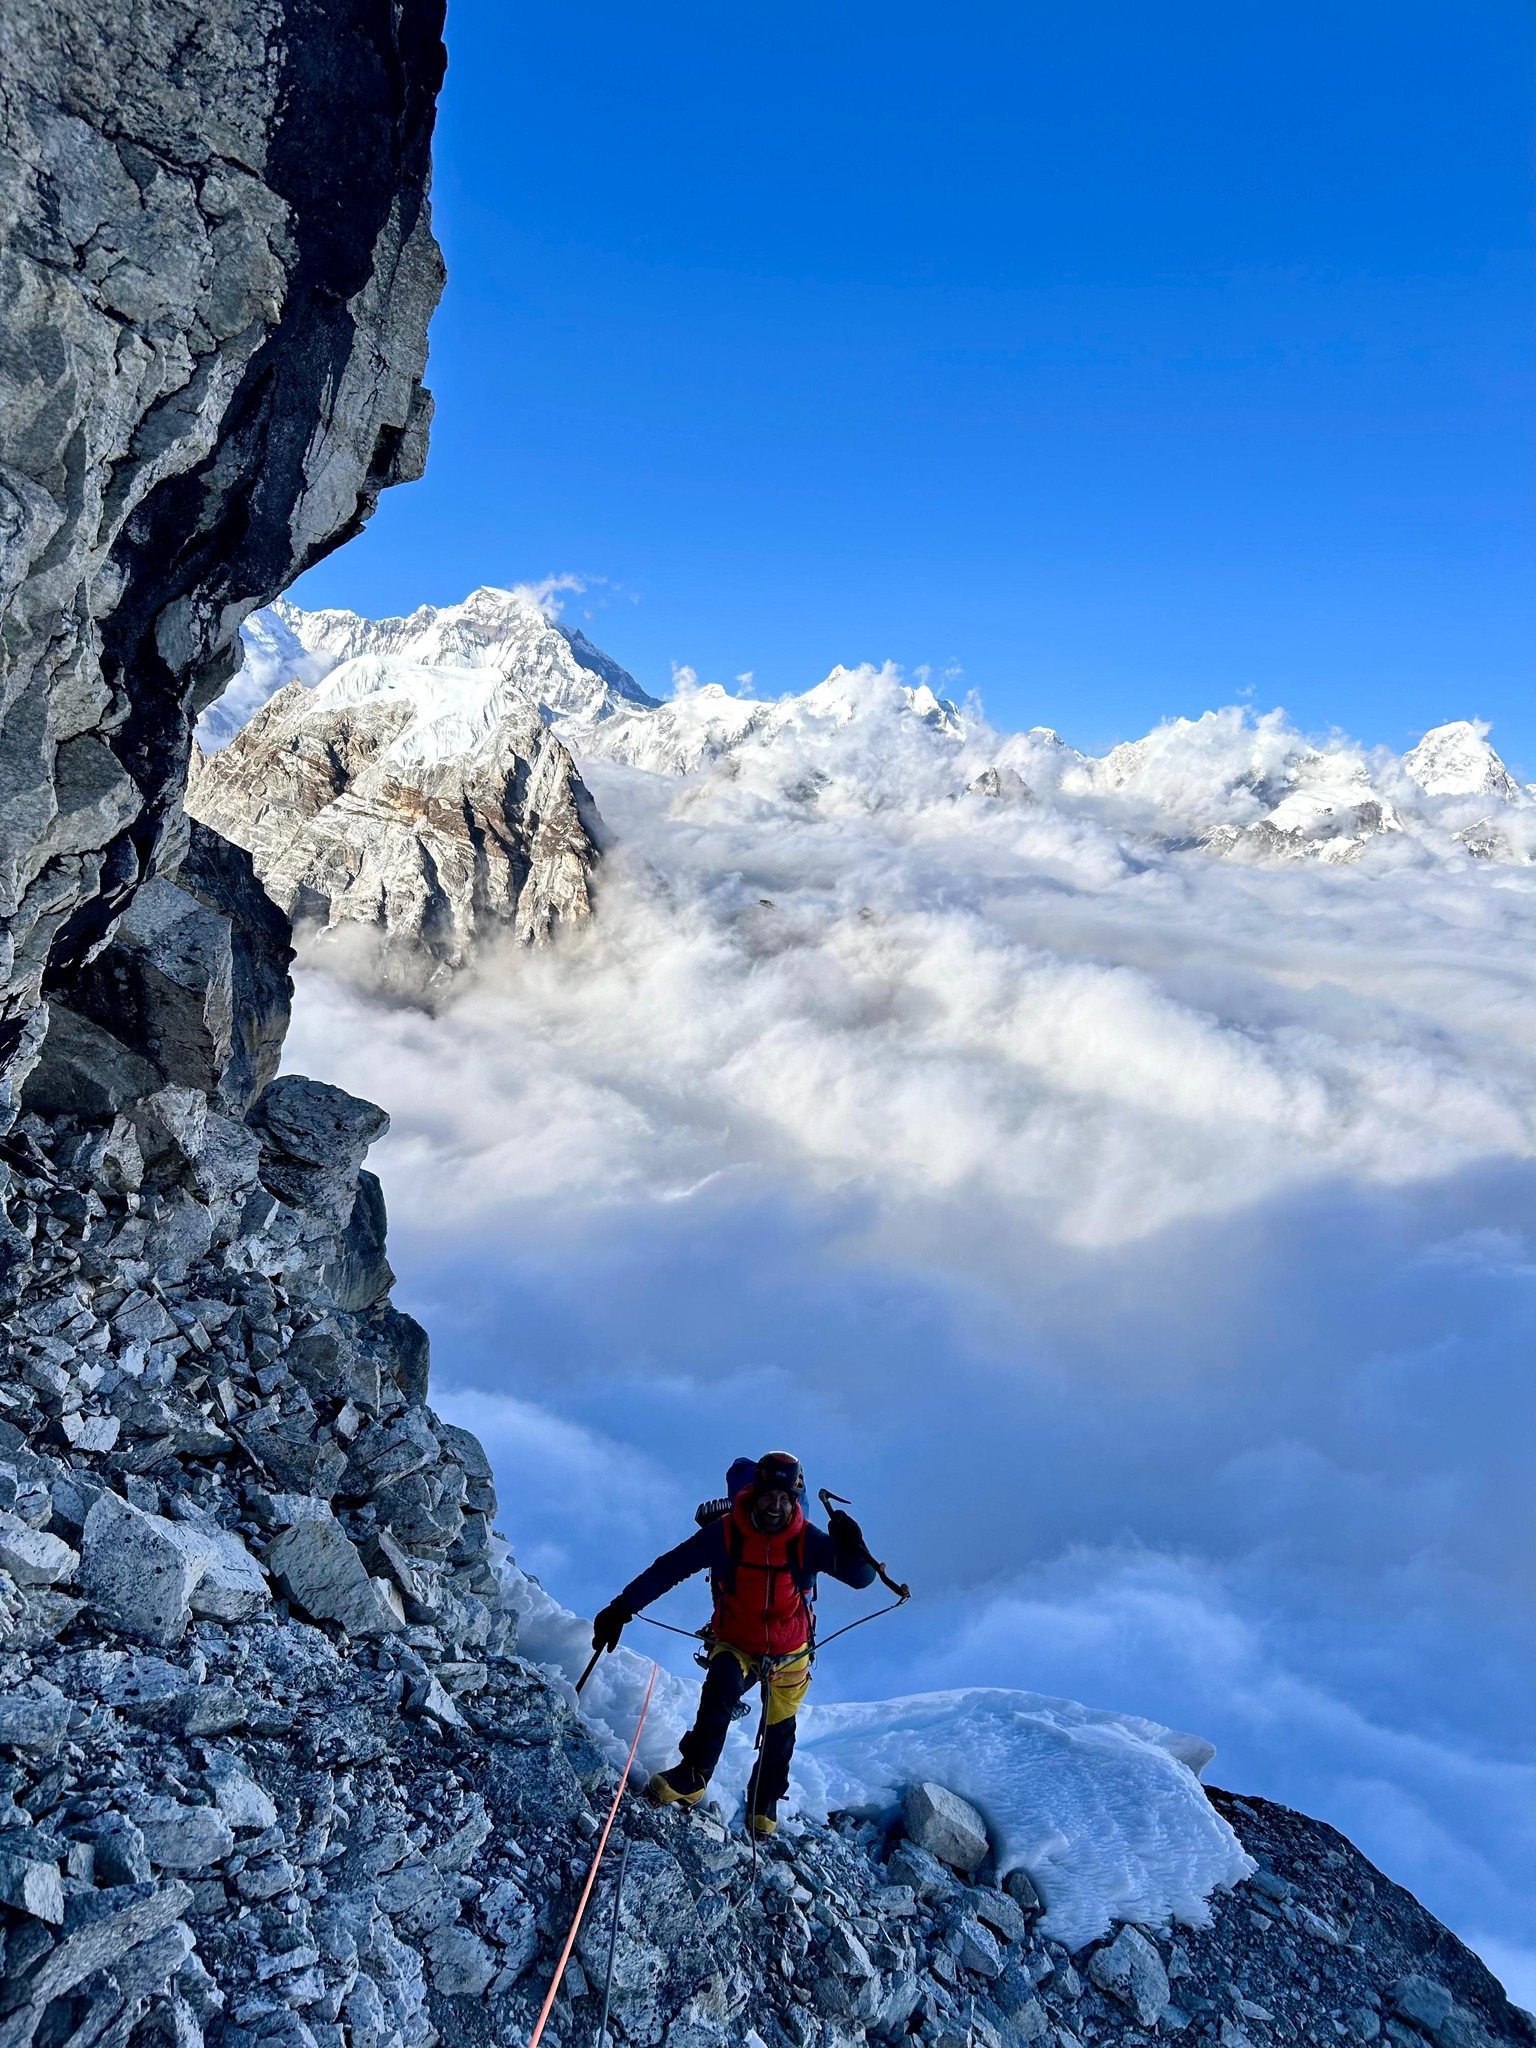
762, 1557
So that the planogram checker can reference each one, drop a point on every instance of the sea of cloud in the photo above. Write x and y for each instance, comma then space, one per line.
1146, 1241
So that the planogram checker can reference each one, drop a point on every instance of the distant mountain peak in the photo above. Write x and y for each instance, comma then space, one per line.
511, 632
1457, 760
1240, 784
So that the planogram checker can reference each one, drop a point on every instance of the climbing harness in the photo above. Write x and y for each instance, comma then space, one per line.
586, 1891
613, 1943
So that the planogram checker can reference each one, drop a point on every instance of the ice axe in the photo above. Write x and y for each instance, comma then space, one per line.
591, 1667
903, 1593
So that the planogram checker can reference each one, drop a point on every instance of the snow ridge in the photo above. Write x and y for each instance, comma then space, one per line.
513, 633
1242, 786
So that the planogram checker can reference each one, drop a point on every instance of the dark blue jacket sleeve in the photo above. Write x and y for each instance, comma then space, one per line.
823, 1555
697, 1554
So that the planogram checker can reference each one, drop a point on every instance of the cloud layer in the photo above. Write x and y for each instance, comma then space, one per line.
1143, 1238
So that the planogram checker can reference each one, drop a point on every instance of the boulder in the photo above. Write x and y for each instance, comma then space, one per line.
184, 1838
330, 1365
139, 1571
391, 1450
243, 1803
310, 1124
1131, 1970
946, 1825
119, 1853
1422, 2002
233, 1587
462, 1964
32, 1720
320, 1570
170, 1126
32, 1556
1000, 1912
1021, 1888
975, 1947
31, 1885
925, 1875
107, 1939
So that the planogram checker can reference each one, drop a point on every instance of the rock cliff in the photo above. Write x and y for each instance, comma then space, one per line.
217, 271
272, 1773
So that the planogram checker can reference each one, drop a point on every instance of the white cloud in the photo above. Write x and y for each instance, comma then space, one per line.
550, 592
1144, 1238
1014, 1006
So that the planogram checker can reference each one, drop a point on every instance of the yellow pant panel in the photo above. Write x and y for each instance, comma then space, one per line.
788, 1683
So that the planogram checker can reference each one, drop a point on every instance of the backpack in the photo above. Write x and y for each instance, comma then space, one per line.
741, 1474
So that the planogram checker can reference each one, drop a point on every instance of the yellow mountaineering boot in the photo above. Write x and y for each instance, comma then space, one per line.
681, 1786
764, 1822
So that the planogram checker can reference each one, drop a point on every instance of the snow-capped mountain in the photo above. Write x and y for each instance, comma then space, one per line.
1456, 760
428, 806
416, 775
512, 633
1244, 786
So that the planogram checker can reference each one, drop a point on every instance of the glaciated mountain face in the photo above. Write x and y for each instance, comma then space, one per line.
1231, 784
1456, 760
510, 632
703, 725
423, 808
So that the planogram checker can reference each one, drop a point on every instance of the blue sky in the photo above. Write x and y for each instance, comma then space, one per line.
1126, 362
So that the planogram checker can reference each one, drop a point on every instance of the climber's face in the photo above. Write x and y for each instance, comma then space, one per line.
774, 1511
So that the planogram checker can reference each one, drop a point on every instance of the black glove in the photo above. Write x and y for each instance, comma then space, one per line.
609, 1625
846, 1533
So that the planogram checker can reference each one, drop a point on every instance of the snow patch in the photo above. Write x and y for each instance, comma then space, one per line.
1104, 1810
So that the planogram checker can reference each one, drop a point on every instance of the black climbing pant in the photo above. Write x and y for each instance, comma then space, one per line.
732, 1673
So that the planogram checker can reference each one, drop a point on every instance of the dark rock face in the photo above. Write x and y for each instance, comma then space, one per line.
217, 271
194, 981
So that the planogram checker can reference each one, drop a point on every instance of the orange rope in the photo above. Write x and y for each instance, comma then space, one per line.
586, 1891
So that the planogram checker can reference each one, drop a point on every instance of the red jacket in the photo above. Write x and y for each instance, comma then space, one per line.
759, 1602
763, 1585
